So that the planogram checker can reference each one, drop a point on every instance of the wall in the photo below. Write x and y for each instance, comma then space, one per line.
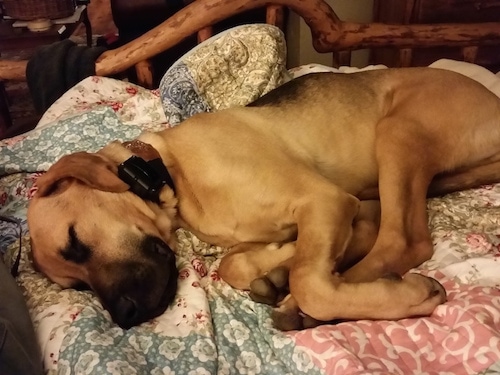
300, 50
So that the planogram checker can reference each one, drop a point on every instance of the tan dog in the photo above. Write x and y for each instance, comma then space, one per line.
289, 167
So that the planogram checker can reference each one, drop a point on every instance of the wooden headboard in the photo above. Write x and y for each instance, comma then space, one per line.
329, 34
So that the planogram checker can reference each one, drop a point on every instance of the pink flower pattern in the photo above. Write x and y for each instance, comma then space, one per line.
199, 267
478, 243
460, 337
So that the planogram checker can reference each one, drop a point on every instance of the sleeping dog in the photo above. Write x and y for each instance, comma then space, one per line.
284, 184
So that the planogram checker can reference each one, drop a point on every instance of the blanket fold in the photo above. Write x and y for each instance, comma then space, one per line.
57, 67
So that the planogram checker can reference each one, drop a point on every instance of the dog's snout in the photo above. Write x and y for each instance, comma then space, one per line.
140, 288
126, 312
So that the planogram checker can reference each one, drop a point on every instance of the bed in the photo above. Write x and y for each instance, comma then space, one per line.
211, 328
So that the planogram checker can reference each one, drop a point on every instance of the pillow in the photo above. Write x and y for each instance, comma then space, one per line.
234, 67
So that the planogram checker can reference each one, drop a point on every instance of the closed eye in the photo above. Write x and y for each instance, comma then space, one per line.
75, 251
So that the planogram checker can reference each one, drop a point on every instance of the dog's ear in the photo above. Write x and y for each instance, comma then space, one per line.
93, 170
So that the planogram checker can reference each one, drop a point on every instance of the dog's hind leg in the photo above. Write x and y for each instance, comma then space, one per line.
450, 182
469, 178
407, 163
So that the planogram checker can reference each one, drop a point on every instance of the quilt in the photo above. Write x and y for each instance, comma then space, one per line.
211, 328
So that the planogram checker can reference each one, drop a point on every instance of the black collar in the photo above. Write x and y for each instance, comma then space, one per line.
145, 177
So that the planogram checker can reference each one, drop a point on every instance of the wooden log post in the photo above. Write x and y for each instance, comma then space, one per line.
144, 72
275, 15
13, 70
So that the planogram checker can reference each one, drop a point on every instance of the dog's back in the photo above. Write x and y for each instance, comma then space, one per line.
329, 120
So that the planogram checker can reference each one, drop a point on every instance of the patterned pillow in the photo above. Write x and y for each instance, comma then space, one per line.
234, 67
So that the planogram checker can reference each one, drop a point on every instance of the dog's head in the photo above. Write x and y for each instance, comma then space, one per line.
87, 228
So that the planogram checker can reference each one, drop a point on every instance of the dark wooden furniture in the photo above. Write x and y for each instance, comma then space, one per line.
329, 34
410, 12
5, 119
20, 38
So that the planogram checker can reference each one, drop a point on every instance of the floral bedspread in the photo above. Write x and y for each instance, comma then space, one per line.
212, 328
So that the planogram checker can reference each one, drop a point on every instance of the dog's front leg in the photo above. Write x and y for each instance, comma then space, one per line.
249, 261
324, 222
324, 229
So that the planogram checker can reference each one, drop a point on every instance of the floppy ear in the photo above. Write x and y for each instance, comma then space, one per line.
93, 170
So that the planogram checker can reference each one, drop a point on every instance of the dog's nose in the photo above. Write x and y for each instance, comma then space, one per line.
126, 312
159, 247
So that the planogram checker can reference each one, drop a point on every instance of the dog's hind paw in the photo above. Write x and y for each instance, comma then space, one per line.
270, 288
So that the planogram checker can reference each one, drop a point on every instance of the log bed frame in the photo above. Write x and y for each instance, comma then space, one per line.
329, 34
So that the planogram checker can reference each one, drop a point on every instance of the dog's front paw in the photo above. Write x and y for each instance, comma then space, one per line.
287, 316
270, 288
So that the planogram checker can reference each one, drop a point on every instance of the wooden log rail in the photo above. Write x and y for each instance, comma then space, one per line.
329, 33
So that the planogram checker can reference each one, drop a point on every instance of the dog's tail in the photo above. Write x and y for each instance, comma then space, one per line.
445, 183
